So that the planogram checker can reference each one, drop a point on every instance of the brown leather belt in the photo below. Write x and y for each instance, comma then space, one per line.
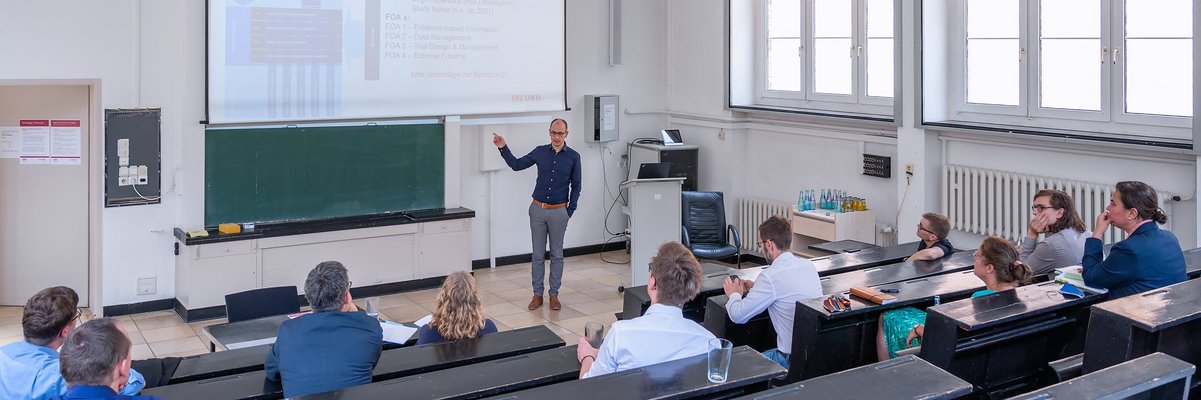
544, 205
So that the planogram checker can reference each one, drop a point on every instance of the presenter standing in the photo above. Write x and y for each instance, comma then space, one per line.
554, 201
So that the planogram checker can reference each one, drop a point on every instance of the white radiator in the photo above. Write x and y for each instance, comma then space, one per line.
752, 212
991, 202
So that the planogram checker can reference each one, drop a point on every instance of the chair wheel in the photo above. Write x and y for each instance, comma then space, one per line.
621, 289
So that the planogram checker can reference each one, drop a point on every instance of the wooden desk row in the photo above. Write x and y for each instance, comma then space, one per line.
531, 363
1000, 343
396, 363
636, 300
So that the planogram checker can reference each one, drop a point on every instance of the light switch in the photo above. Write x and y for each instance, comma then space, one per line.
123, 176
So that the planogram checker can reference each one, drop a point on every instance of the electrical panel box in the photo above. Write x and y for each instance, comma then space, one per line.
601, 123
132, 156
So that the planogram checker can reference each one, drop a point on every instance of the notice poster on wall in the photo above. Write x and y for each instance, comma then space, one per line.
35, 141
10, 141
65, 142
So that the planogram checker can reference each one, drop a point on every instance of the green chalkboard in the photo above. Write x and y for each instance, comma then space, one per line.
293, 174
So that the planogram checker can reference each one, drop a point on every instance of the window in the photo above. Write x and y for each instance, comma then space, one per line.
824, 55
1111, 67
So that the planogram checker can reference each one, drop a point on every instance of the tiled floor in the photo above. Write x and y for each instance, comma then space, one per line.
589, 293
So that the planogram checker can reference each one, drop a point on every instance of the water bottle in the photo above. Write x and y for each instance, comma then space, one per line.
800, 201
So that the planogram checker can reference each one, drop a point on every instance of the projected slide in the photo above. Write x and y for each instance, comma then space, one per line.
297, 60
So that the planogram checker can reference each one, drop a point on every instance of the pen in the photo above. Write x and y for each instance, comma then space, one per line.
892, 290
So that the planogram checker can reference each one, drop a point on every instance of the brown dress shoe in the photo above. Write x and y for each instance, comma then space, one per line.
554, 303
537, 302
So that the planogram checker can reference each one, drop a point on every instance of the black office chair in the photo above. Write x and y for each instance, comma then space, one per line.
704, 229
258, 303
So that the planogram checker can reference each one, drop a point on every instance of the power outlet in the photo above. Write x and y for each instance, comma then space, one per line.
147, 285
909, 168
721, 134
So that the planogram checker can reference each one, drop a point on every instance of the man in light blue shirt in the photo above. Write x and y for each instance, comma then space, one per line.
660, 335
29, 369
777, 289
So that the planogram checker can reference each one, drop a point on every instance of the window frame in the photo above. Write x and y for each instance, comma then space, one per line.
806, 99
1111, 119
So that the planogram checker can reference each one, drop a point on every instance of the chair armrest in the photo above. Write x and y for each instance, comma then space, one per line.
912, 350
684, 237
1068, 367
737, 238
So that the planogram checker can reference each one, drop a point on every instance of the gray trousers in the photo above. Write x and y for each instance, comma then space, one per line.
544, 223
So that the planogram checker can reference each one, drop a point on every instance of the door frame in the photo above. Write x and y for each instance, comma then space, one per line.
95, 179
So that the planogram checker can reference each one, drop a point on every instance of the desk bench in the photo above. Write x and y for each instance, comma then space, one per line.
471, 381
1156, 376
906, 377
824, 343
679, 379
1002, 343
392, 364
1166, 320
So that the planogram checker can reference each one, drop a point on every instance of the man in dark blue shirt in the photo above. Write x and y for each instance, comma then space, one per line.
554, 201
95, 362
334, 347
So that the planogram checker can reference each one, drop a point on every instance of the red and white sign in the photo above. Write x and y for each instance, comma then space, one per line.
35, 141
66, 142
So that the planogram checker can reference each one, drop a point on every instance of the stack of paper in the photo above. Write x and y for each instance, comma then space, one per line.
399, 333
1072, 272
1073, 275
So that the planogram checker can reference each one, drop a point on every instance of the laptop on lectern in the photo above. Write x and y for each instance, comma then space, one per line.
653, 170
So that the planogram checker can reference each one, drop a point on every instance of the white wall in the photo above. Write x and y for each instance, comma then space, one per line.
639, 81
769, 157
1164, 172
151, 54
772, 156
101, 40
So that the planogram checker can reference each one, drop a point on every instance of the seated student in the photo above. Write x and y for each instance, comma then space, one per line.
29, 369
662, 334
95, 362
777, 289
1054, 215
996, 263
1148, 258
933, 230
332, 348
459, 313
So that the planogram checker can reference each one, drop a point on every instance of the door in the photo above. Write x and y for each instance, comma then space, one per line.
44, 210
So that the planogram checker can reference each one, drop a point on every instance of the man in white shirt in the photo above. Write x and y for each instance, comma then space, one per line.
778, 288
660, 335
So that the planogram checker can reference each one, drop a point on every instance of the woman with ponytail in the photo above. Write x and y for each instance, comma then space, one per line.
1148, 258
459, 313
996, 263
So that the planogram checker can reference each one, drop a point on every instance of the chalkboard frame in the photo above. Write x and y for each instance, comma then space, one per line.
271, 175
